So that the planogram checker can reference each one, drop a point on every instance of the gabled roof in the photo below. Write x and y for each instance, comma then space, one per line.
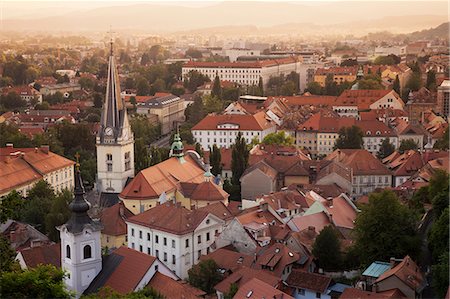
243, 275
163, 177
255, 288
263, 167
122, 271
113, 219
45, 254
360, 161
246, 122
310, 281
208, 191
408, 272
316, 220
405, 164
228, 259
171, 288
362, 98
276, 258
171, 218
218, 209
353, 293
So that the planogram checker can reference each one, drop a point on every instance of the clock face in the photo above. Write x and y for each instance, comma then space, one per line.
109, 131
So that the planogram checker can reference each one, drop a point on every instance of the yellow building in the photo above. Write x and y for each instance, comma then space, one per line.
340, 74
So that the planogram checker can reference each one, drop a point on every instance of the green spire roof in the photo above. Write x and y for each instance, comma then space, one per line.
176, 150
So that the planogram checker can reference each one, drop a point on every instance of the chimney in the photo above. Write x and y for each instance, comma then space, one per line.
35, 149
45, 148
9, 145
311, 228
392, 262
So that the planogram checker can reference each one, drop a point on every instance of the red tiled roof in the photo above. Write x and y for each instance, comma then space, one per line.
276, 258
407, 271
113, 219
257, 289
171, 218
405, 164
130, 271
45, 254
229, 260
171, 288
208, 191
244, 274
360, 161
310, 281
353, 293
316, 220
246, 122
362, 98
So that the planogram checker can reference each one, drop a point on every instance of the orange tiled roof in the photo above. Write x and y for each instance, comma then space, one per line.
171, 288
276, 258
407, 271
353, 293
243, 275
360, 161
246, 122
163, 177
209, 191
317, 220
45, 254
171, 218
255, 288
310, 281
229, 260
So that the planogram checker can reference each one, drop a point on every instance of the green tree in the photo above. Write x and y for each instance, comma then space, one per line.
215, 159
386, 148
438, 236
327, 248
278, 138
314, 88
239, 158
217, 88
407, 144
58, 214
385, 228
440, 272
12, 101
193, 53
195, 112
155, 156
44, 281
37, 205
10, 206
142, 87
194, 79
198, 149
7, 256
205, 275
98, 100
414, 82
350, 138
288, 88
396, 85
109, 293
431, 80
231, 291
42, 106
86, 83
331, 87
369, 84
387, 60
438, 191
212, 104
260, 87
141, 154
442, 144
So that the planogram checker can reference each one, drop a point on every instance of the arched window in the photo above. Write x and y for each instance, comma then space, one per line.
87, 252
68, 251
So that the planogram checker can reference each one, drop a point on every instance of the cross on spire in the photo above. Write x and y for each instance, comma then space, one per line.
77, 165
111, 38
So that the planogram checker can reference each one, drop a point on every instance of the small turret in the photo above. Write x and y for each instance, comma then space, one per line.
177, 148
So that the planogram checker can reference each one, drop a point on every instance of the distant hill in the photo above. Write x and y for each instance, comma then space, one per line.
441, 31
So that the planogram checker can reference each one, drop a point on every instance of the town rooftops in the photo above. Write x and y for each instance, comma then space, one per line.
229, 260
277, 257
241, 64
353, 293
243, 122
122, 271
310, 281
171, 218
243, 275
160, 101
406, 271
46, 254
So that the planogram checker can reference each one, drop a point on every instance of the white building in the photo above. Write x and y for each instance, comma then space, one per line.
222, 130
174, 234
115, 140
234, 53
244, 73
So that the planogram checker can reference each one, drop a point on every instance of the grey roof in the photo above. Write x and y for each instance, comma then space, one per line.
376, 269
108, 199
160, 101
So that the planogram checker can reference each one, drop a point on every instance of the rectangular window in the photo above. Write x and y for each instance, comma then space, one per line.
109, 167
165, 256
173, 259
148, 236
187, 243
108, 157
157, 253
199, 253
156, 239
140, 248
132, 245
318, 295
207, 236
165, 241
132, 232
199, 239
140, 234
173, 243
148, 250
